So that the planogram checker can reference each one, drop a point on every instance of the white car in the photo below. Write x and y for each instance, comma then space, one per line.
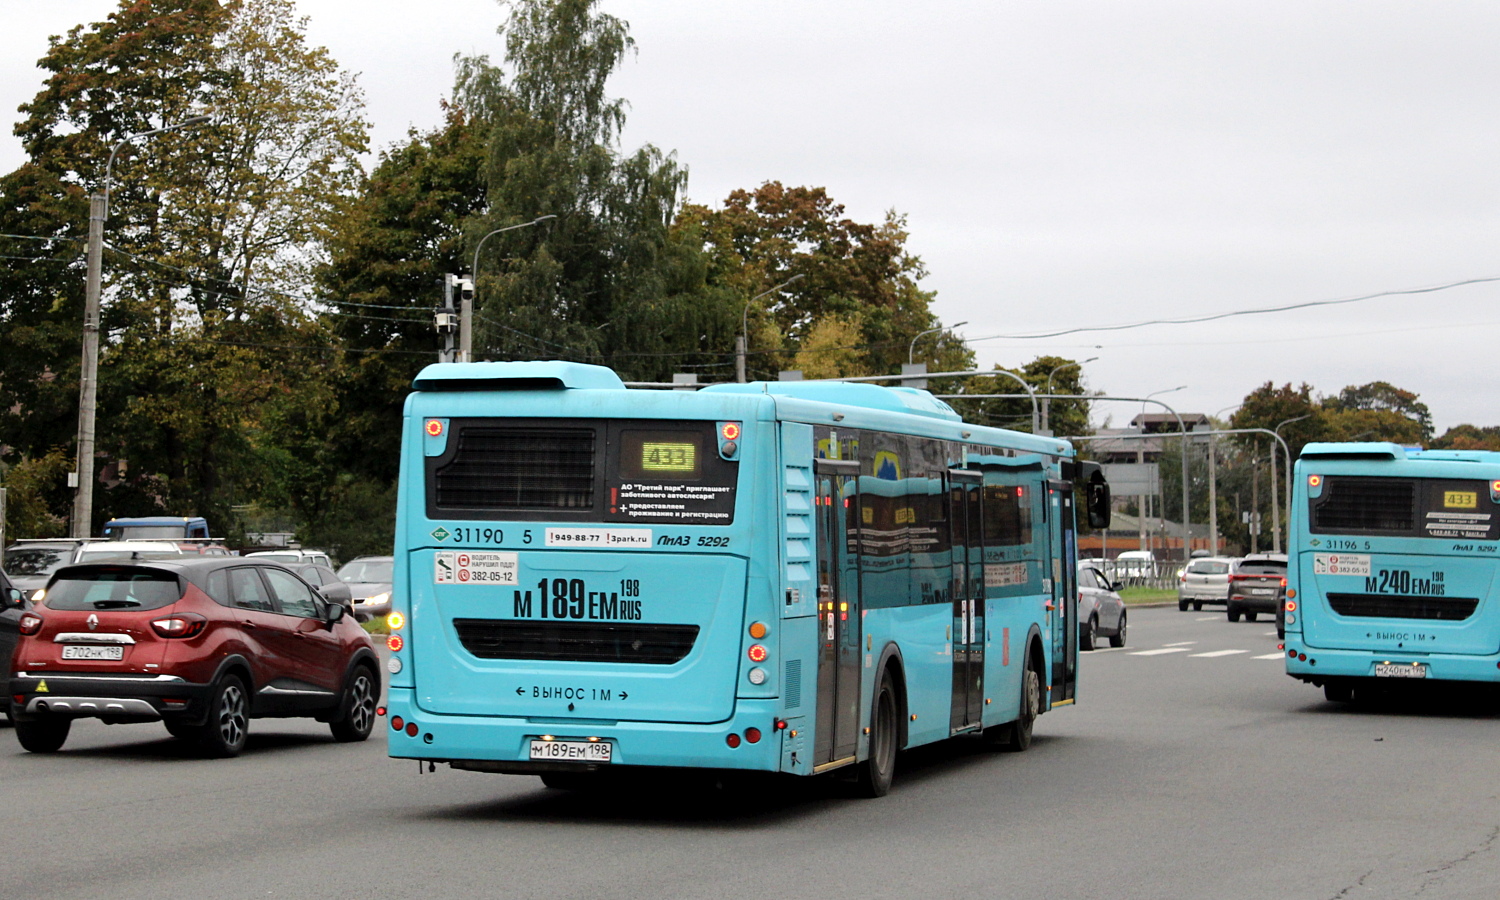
1205, 580
98, 551
1101, 612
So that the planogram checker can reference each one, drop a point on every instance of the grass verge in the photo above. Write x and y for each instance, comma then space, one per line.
1137, 595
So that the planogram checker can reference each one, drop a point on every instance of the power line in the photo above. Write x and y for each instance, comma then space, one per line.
1241, 312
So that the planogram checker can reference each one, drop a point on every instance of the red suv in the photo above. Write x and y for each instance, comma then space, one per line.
201, 644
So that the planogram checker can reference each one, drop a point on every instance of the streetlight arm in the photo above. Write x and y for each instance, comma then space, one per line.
911, 351
745, 315
110, 163
466, 314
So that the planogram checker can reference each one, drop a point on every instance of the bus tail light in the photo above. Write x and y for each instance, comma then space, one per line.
752, 735
396, 621
411, 729
732, 739
1291, 606
397, 723
758, 653
395, 642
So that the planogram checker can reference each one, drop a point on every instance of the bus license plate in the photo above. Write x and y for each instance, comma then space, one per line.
571, 751
85, 651
1400, 670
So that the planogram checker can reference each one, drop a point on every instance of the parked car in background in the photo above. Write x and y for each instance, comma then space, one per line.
294, 556
200, 644
29, 563
1101, 612
370, 579
1205, 580
1257, 585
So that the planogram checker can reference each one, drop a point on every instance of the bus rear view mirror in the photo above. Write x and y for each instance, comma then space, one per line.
1096, 494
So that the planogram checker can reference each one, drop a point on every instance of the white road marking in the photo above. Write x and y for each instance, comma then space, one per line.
1105, 649
1271, 656
1160, 651
1180, 644
1270, 634
1212, 653
1207, 618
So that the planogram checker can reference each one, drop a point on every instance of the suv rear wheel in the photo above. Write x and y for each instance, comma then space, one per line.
42, 735
228, 722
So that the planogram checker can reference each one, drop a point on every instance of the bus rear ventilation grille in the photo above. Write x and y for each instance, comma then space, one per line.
1366, 504
518, 468
1394, 606
619, 642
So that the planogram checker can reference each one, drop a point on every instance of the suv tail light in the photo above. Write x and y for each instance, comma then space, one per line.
179, 625
30, 623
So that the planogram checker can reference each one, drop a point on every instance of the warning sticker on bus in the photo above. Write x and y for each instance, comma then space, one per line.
1341, 564
1005, 574
465, 567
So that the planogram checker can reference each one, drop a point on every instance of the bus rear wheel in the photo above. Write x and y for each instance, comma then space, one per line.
876, 773
1016, 736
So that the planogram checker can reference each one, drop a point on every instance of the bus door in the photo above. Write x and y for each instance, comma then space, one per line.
1064, 556
964, 491
838, 537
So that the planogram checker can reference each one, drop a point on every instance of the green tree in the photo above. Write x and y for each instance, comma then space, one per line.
1469, 437
1067, 418
850, 270
607, 280
209, 227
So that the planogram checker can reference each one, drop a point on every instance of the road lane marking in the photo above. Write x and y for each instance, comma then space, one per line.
1180, 644
1205, 618
1213, 653
1269, 634
1270, 656
1105, 649
1160, 651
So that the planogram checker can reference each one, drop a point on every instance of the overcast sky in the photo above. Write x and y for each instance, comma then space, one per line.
1063, 164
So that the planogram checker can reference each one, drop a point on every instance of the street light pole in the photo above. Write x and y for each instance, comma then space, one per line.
88, 373
1276, 513
911, 351
1047, 402
466, 301
742, 342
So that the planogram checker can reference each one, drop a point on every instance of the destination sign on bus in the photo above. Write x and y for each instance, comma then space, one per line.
662, 456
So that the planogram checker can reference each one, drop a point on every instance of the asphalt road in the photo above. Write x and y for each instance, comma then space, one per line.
1192, 773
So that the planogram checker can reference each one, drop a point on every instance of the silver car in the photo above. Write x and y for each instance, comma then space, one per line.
369, 579
1205, 580
1101, 612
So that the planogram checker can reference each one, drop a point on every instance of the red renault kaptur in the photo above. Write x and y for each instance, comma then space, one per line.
202, 645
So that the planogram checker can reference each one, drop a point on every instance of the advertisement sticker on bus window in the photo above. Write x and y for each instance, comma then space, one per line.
601, 538
466, 567
1004, 574
1341, 564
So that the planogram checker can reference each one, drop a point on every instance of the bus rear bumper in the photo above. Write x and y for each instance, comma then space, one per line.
503, 743
1322, 665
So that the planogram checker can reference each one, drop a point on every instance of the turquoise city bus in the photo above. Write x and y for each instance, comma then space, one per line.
789, 577
1393, 565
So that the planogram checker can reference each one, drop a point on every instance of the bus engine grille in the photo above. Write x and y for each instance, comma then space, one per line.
518, 468
621, 642
1356, 503
1395, 606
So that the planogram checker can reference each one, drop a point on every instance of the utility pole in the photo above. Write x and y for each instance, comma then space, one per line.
1255, 501
88, 374
739, 358
1275, 507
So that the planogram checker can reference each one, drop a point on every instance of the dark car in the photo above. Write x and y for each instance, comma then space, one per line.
12, 604
1258, 585
201, 644
369, 579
